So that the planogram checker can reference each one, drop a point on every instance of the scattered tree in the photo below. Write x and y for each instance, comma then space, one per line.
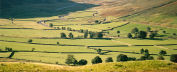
71, 35
58, 43
160, 57
30, 41
148, 29
174, 34
118, 32
146, 56
63, 35
96, 60
100, 35
173, 58
142, 51
33, 49
162, 52
129, 35
152, 35
99, 51
12, 54
85, 34
164, 32
146, 53
109, 59
71, 60
122, 57
131, 58
50, 25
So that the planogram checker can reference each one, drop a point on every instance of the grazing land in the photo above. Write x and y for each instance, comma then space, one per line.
47, 32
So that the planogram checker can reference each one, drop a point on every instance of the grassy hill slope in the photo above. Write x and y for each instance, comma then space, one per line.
165, 16
137, 66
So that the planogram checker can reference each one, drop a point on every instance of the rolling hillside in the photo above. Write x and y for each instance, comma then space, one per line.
40, 34
139, 66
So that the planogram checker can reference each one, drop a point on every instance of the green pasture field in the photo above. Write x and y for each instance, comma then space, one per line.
27, 33
147, 41
124, 30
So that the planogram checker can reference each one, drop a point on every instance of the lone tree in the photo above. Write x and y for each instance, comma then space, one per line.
129, 35
96, 60
118, 32
58, 43
164, 32
162, 52
82, 62
142, 34
109, 59
33, 49
100, 35
85, 34
12, 54
146, 52
142, 51
99, 51
71, 60
148, 29
71, 35
122, 57
50, 25
173, 58
30, 41
135, 31
63, 35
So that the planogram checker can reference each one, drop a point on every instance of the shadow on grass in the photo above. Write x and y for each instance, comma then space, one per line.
40, 8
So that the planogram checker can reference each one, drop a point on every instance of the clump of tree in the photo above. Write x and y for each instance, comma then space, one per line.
109, 59
142, 34
152, 34
96, 60
122, 57
96, 35
82, 62
72, 61
173, 58
135, 31
63, 28
63, 35
8, 49
146, 55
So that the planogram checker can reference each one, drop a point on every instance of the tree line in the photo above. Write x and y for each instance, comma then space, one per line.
71, 60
